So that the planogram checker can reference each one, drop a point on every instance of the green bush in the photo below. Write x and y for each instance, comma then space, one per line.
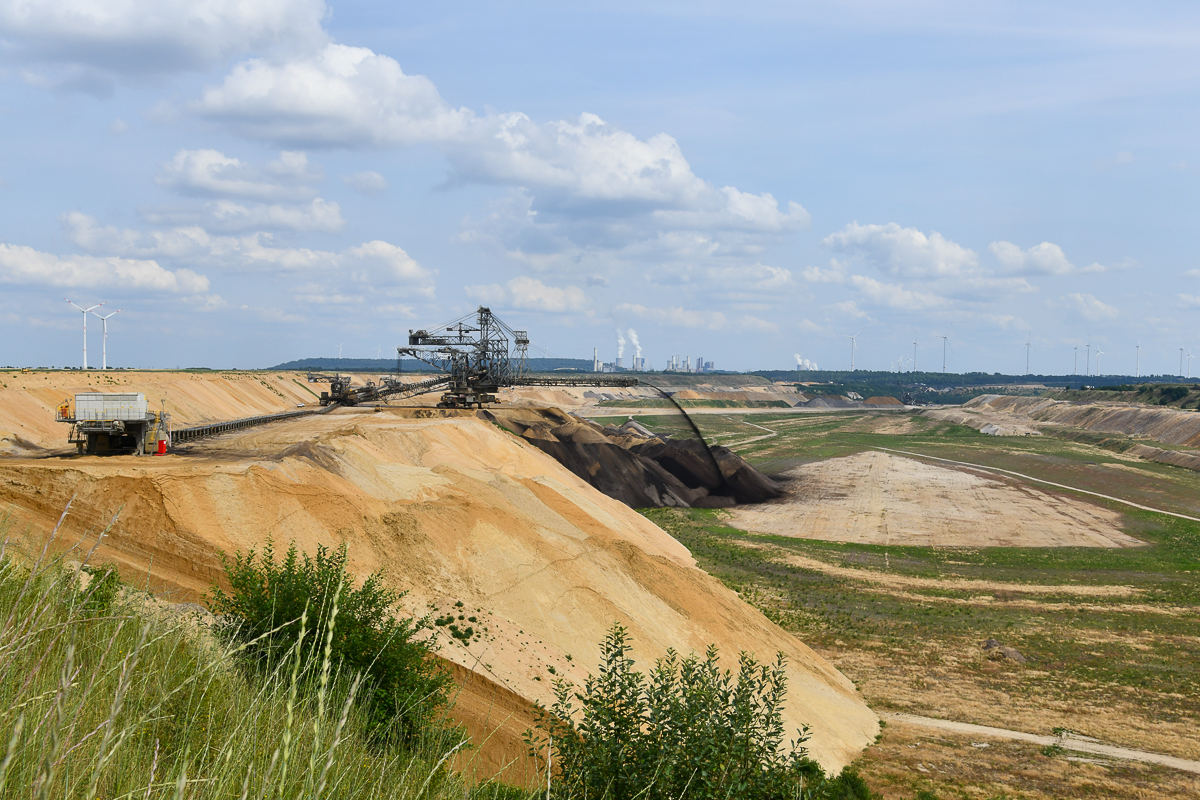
405, 689
102, 589
688, 730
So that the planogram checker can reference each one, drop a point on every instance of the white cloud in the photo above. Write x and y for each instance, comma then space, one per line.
675, 317
530, 294
751, 278
1193, 273
580, 185
338, 95
1092, 308
808, 326
850, 309
1189, 300
895, 296
835, 274
26, 266
757, 325
366, 182
118, 127
376, 264
904, 252
214, 174
86, 40
1041, 259
318, 215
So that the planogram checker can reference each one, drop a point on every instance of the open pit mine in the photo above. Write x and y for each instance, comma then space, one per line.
520, 511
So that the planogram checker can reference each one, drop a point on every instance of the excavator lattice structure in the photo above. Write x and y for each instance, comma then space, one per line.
478, 355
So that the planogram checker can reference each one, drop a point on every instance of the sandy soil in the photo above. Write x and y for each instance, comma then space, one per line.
879, 498
455, 510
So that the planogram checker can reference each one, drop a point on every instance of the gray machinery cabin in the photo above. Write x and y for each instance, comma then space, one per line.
113, 424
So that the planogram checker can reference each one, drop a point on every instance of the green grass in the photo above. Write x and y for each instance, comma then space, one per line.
120, 698
825, 609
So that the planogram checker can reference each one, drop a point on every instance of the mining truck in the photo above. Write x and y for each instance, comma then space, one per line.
114, 424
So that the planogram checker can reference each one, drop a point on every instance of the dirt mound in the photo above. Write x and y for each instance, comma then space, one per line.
455, 510
879, 498
831, 401
636, 467
882, 401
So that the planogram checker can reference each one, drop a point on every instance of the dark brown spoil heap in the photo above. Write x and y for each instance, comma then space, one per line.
640, 470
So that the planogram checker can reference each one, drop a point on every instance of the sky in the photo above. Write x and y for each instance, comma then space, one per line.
751, 183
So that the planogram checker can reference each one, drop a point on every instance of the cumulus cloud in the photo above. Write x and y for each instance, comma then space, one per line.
318, 215
26, 266
375, 264
904, 252
580, 185
530, 294
1041, 259
1189, 300
84, 44
895, 296
211, 173
1091, 308
675, 316
751, 278
757, 325
366, 182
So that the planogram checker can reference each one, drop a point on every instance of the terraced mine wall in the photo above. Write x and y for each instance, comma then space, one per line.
1004, 415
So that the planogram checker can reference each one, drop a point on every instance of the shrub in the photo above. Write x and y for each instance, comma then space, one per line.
102, 589
405, 689
688, 730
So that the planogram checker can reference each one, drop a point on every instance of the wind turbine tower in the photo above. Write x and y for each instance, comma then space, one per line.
944, 338
104, 346
86, 311
853, 346
85, 355
914, 364
1099, 353
1028, 345
1087, 365
1189, 358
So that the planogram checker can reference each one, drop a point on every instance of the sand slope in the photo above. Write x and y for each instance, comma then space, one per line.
879, 498
456, 510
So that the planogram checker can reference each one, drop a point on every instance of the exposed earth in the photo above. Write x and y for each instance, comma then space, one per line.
880, 498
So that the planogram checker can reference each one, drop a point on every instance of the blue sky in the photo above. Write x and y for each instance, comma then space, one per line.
750, 182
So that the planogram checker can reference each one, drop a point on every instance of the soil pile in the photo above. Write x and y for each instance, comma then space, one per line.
1166, 425
471, 520
638, 468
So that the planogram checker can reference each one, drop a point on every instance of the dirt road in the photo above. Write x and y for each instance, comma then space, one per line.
1067, 741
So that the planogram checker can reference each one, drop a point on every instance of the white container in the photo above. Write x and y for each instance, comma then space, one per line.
99, 406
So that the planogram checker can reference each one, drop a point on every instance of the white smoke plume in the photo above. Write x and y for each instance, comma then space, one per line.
638, 345
804, 363
620, 344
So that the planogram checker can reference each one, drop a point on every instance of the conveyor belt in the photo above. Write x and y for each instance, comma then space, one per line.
184, 435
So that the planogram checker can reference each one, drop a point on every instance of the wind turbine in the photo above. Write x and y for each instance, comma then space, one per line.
1075, 369
1099, 353
1189, 358
104, 346
1180, 356
339, 351
1137, 370
914, 364
944, 338
853, 346
85, 311
1028, 347
1087, 365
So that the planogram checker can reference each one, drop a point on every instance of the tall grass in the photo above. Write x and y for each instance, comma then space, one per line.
104, 697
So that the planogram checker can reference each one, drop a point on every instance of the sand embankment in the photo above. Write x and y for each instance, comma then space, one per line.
455, 510
1167, 425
